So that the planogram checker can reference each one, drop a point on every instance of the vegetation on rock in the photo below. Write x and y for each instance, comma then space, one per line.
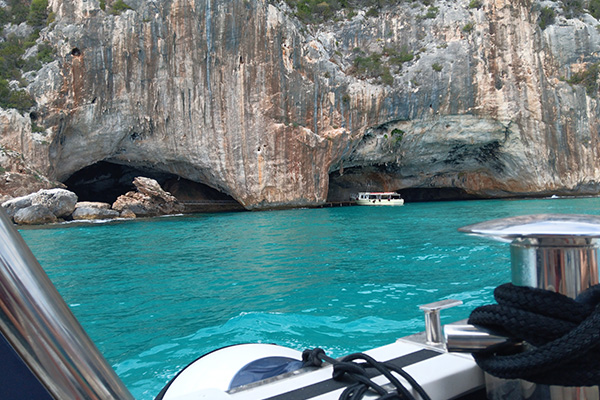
475, 4
594, 8
547, 16
12, 49
379, 65
319, 11
119, 6
588, 78
573, 8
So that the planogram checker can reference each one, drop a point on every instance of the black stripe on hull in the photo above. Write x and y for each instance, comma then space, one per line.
329, 385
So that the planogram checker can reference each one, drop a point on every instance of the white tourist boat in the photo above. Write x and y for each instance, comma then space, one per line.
47, 355
379, 199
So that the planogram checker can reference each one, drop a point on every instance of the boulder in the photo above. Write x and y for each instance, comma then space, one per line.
150, 200
60, 201
16, 204
92, 204
34, 215
92, 210
127, 213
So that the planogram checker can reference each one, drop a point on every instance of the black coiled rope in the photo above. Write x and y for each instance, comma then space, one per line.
563, 336
358, 373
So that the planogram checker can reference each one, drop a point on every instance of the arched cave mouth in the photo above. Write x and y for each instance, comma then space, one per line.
105, 182
342, 187
415, 195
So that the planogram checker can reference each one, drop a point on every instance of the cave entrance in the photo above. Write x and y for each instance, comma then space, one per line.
383, 179
105, 182
414, 195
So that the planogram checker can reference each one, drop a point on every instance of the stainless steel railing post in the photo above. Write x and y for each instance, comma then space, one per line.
554, 252
43, 331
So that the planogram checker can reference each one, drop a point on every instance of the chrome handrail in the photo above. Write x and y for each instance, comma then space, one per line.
41, 328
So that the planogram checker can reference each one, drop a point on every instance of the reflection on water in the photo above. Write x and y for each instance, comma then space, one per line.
156, 294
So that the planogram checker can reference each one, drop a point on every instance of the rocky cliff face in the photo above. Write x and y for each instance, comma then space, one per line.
243, 97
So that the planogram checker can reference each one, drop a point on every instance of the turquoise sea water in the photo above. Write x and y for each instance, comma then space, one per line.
156, 294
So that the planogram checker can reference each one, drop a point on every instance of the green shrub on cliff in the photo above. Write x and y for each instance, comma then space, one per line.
4, 18
386, 76
320, 11
38, 13
398, 57
315, 11
11, 62
546, 17
12, 49
588, 78
468, 27
45, 54
118, 7
475, 4
432, 12
572, 8
19, 99
19, 10
372, 12
594, 8
397, 135
380, 65
368, 66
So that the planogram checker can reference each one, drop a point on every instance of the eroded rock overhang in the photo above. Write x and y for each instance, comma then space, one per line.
241, 96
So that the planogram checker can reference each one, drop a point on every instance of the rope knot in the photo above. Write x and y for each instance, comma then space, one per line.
312, 357
360, 374
563, 335
342, 368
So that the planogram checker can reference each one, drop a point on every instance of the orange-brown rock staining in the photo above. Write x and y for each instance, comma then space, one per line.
243, 97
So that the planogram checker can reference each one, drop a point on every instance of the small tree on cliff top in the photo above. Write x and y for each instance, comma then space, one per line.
546, 17
38, 13
594, 8
119, 6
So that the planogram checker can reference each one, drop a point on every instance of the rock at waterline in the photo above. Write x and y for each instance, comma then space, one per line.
35, 208
88, 210
92, 204
12, 206
50, 205
60, 202
127, 213
150, 200
34, 215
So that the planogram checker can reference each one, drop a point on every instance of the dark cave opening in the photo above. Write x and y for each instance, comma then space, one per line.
415, 195
343, 187
105, 182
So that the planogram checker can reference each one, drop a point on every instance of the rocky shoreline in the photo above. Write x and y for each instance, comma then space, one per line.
56, 205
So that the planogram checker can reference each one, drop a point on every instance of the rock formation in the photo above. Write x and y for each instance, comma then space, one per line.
42, 207
243, 97
87, 210
150, 200
34, 215
53, 205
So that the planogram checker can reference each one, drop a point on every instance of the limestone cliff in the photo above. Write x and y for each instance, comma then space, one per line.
242, 96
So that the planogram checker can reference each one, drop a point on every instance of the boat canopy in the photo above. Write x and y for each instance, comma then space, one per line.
379, 195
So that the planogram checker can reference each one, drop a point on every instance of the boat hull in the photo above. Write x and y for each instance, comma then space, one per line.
379, 199
441, 374
380, 202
